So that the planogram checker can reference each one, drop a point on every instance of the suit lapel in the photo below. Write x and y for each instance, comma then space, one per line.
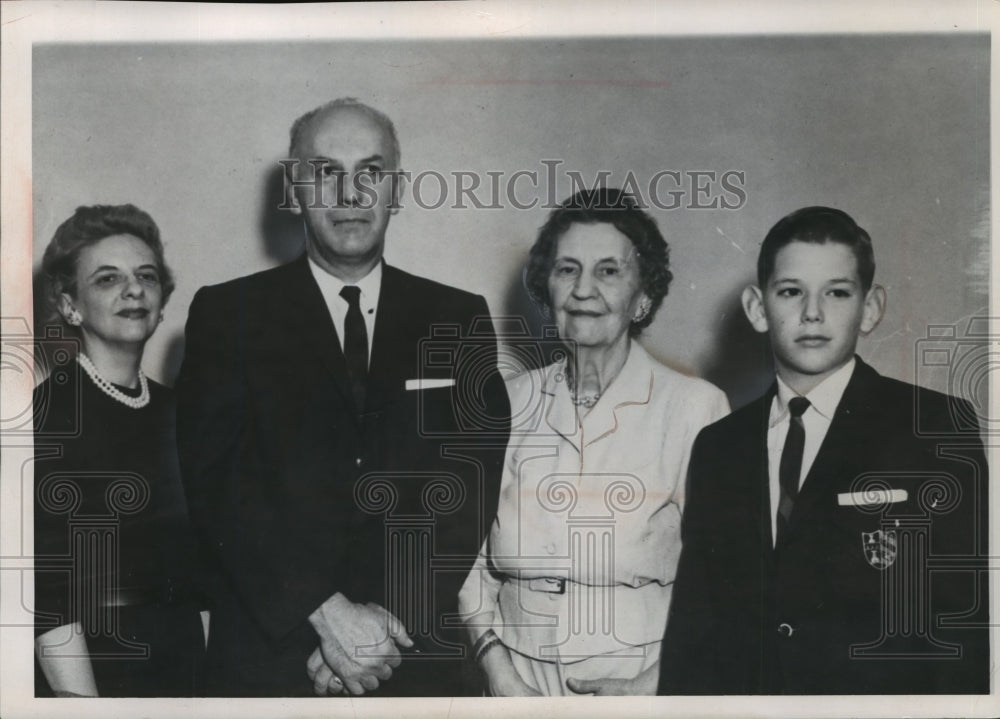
837, 453
391, 349
756, 468
310, 317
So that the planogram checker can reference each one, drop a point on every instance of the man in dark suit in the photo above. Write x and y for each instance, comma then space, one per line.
835, 533
343, 485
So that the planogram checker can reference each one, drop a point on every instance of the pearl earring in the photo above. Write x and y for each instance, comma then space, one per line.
644, 306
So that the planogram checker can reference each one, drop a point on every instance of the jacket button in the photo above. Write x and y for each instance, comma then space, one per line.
358, 462
786, 630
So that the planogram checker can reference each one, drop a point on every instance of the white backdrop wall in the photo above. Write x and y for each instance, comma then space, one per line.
892, 129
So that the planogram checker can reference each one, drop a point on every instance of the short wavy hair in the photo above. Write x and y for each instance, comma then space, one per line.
88, 226
614, 207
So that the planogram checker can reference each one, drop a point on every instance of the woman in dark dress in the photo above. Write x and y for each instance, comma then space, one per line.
116, 600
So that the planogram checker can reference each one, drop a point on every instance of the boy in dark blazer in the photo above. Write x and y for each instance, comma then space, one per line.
835, 532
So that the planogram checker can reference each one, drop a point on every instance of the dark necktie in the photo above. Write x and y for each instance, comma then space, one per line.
355, 344
791, 462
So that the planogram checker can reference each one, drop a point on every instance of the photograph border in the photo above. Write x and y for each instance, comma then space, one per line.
27, 23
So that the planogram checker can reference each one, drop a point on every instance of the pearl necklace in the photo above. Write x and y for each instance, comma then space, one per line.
588, 400
110, 390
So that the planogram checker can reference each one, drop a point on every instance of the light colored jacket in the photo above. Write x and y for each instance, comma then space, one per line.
595, 502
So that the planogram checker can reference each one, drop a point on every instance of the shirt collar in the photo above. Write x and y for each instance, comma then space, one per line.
370, 285
633, 385
824, 397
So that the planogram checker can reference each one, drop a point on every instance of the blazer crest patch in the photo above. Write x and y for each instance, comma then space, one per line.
879, 547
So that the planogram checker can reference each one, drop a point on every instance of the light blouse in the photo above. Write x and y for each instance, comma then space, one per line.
581, 558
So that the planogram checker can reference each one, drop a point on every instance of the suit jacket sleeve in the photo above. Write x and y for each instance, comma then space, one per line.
686, 665
486, 445
963, 530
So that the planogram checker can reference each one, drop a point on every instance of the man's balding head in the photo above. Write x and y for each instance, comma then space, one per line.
303, 124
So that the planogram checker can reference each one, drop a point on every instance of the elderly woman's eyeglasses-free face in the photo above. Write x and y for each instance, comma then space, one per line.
594, 285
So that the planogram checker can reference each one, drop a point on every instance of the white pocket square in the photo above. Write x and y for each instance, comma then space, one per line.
429, 383
871, 496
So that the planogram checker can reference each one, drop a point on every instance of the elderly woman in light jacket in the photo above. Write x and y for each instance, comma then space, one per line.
572, 587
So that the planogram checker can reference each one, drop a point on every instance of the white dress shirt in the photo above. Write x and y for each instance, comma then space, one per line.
330, 286
823, 401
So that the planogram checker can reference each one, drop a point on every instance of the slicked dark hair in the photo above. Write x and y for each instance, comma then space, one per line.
817, 225
617, 208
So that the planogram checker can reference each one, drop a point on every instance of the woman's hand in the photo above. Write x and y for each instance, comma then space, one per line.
503, 678
642, 685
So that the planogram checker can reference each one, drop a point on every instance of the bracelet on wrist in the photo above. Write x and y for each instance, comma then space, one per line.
483, 638
487, 641
485, 649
